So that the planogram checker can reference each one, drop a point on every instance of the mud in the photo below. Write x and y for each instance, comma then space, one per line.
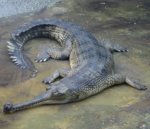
120, 107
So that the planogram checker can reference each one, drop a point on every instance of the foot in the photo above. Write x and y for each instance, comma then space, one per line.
135, 84
42, 57
140, 86
118, 48
48, 80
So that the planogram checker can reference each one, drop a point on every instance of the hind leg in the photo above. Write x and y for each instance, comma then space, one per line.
117, 48
120, 79
113, 47
135, 84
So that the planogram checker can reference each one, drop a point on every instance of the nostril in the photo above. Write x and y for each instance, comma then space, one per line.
7, 108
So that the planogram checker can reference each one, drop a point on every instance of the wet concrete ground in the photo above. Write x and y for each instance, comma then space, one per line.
14, 7
121, 107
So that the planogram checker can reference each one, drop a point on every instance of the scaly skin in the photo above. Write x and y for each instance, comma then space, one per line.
91, 63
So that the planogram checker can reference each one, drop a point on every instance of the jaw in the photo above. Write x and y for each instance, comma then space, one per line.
52, 96
44, 98
39, 100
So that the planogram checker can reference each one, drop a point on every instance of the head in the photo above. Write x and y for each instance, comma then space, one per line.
58, 92
62, 93
7, 108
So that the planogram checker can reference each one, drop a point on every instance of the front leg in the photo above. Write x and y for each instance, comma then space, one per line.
59, 73
62, 53
54, 53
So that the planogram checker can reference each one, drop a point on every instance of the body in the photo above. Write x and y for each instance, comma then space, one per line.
91, 63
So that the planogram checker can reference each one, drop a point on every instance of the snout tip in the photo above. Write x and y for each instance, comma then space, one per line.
7, 108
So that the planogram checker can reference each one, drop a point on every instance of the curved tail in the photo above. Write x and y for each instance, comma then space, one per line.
17, 56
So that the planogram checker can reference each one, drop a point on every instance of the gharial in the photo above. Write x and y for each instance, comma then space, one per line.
91, 63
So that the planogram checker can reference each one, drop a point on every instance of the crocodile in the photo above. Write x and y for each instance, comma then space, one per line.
91, 63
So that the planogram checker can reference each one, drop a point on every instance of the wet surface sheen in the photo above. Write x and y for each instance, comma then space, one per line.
121, 107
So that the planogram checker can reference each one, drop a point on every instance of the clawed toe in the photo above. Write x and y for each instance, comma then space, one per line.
41, 60
42, 57
45, 82
123, 50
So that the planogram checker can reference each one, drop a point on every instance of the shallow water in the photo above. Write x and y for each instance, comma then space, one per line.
121, 107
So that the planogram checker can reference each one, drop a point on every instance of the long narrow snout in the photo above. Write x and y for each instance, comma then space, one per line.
39, 100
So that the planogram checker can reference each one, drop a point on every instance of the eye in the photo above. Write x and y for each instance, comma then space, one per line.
55, 93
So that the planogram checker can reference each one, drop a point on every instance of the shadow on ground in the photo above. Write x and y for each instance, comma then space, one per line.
121, 107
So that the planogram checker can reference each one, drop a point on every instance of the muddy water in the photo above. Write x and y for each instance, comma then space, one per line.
121, 107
